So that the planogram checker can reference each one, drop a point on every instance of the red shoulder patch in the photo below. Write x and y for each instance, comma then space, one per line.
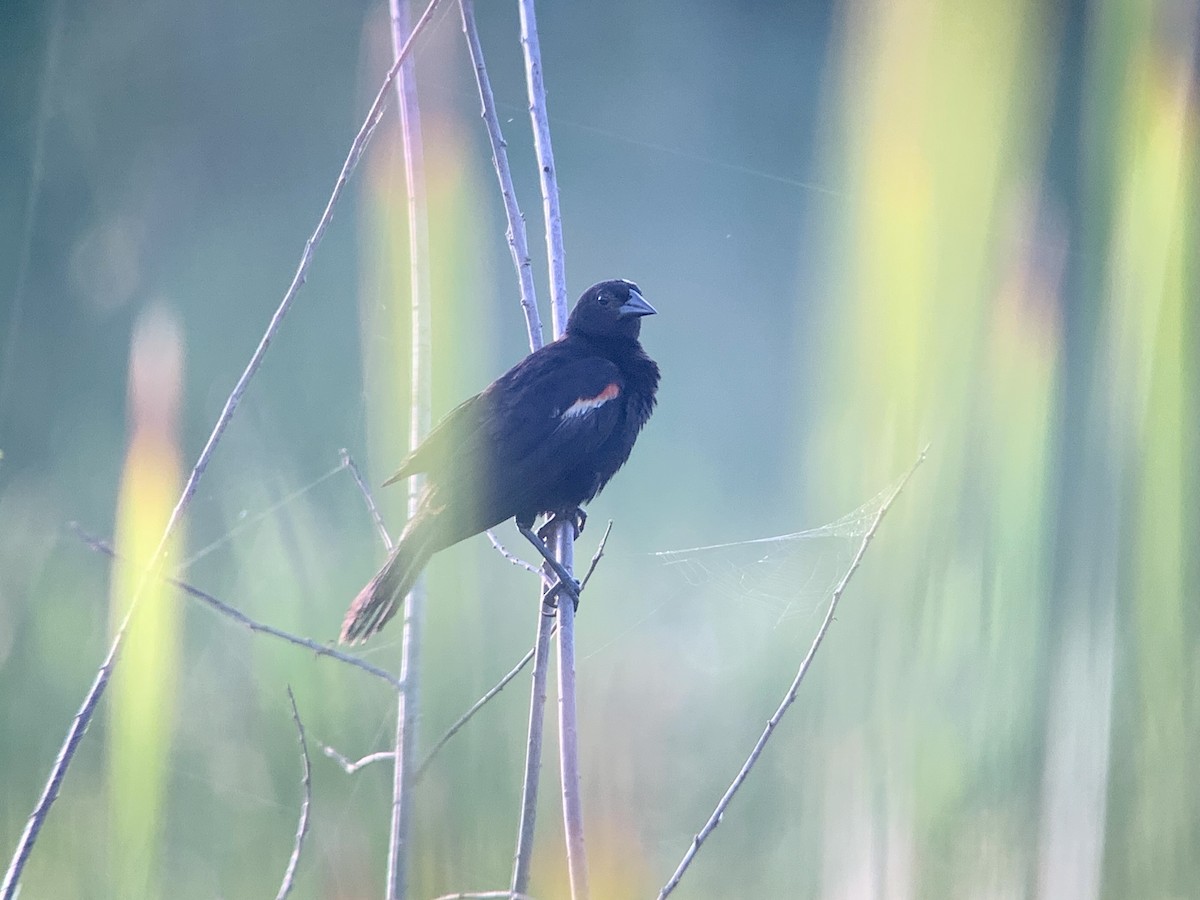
587, 404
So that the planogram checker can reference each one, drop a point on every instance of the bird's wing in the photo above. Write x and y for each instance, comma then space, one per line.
530, 425
455, 428
556, 409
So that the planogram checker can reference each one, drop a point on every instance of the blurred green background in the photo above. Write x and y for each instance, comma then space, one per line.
866, 226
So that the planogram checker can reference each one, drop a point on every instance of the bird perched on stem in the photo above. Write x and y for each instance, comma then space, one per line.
544, 437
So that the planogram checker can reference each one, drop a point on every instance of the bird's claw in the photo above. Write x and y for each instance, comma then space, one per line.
572, 588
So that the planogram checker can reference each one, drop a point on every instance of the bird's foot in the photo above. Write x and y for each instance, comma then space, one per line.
566, 581
571, 588
577, 517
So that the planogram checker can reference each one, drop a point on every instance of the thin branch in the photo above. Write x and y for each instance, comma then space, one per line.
349, 463
419, 421
232, 612
533, 745
540, 119
715, 819
350, 767
485, 895
91, 699
467, 716
568, 732
518, 240
557, 563
511, 557
513, 673
597, 556
289, 874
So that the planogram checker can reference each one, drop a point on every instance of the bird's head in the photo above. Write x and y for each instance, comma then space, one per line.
609, 309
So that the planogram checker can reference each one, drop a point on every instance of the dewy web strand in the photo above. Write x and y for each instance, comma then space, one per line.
786, 575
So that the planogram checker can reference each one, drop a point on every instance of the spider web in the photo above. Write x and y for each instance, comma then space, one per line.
786, 575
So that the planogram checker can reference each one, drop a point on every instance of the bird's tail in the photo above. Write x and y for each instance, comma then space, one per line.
381, 598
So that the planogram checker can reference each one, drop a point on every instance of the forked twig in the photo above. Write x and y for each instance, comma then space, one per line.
232, 612
715, 819
469, 714
513, 673
87, 709
352, 766
289, 874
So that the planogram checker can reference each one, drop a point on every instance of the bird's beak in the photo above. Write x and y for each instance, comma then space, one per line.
636, 305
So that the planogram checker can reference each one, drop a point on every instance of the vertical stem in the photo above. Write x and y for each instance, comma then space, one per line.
539, 116
418, 247
533, 746
562, 535
568, 726
83, 718
518, 239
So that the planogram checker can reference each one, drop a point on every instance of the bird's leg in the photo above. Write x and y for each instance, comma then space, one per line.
565, 581
577, 517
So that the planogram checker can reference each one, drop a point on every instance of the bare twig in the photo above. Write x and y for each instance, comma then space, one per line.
715, 819
540, 119
466, 717
518, 240
421, 405
513, 673
232, 612
533, 745
486, 895
597, 556
350, 767
87, 709
289, 874
511, 557
349, 463
568, 732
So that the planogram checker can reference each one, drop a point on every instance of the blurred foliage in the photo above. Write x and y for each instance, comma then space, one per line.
143, 693
865, 226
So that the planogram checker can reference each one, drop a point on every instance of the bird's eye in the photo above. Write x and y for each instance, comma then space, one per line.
604, 299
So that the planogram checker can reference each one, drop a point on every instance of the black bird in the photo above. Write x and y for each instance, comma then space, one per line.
544, 437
